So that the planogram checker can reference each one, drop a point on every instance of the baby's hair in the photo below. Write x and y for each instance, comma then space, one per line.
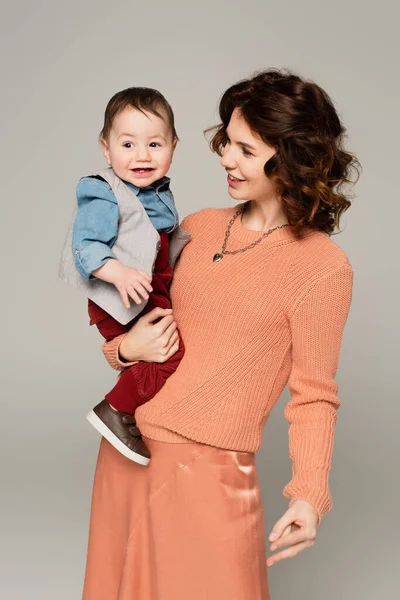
311, 165
140, 98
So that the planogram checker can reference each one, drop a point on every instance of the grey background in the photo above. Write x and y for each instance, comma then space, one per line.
60, 63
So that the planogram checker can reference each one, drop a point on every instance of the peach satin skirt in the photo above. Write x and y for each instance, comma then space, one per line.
187, 527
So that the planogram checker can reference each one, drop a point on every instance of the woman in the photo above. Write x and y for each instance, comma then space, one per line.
261, 295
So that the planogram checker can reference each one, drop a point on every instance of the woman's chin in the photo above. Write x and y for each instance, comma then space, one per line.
235, 194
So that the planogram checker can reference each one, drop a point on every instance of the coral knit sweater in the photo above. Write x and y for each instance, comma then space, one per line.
252, 323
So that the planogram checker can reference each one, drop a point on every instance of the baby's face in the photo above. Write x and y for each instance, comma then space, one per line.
140, 147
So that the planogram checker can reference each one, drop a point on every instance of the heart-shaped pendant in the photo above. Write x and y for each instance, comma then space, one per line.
218, 257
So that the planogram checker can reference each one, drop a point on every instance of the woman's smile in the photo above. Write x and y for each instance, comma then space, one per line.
234, 181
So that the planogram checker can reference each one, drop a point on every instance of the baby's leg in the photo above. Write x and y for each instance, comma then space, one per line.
137, 384
141, 382
115, 424
107, 325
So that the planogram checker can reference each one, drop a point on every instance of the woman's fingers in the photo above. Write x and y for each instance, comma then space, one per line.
280, 526
302, 519
163, 327
174, 338
174, 348
151, 338
170, 330
287, 531
170, 349
166, 355
157, 313
289, 552
301, 535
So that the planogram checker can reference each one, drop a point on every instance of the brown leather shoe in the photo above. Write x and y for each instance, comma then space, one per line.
120, 430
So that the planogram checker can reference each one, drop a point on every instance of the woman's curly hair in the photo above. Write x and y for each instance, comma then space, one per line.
311, 166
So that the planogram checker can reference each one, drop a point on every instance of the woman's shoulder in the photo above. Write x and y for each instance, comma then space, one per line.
206, 217
318, 241
318, 255
317, 263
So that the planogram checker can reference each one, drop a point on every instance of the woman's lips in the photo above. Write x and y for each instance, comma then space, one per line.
233, 181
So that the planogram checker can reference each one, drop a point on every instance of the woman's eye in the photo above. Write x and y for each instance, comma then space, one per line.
246, 152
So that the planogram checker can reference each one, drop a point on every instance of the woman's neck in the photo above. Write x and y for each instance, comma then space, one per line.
261, 216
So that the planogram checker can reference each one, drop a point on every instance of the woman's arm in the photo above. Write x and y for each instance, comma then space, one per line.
317, 327
153, 338
111, 351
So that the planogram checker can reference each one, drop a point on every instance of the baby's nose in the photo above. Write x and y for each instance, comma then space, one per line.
143, 154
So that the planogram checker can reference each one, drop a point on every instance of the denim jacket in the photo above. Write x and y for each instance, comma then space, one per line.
96, 223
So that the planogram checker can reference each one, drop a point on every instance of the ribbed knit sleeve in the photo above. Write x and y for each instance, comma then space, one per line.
317, 326
111, 352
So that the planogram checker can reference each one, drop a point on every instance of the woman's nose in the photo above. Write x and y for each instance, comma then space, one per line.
227, 159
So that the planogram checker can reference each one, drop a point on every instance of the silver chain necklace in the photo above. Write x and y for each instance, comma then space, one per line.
220, 255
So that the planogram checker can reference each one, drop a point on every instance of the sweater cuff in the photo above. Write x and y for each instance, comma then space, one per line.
111, 353
313, 489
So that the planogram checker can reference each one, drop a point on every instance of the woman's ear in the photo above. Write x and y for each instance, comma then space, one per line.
106, 150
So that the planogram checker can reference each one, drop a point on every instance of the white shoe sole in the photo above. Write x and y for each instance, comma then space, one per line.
114, 441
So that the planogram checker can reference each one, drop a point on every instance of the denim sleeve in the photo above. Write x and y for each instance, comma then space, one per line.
95, 227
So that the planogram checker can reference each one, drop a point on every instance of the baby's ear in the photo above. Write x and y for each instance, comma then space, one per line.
106, 150
174, 143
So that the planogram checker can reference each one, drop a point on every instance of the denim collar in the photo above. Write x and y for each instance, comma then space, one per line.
161, 185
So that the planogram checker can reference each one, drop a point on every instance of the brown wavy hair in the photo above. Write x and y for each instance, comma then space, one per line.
311, 168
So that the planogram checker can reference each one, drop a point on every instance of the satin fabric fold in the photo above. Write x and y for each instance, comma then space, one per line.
187, 527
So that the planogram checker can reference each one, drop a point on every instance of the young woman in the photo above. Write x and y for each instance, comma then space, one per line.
261, 295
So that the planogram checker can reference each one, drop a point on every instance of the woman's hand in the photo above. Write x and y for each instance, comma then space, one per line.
297, 530
149, 341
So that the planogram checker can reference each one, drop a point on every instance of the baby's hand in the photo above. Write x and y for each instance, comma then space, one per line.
128, 280
132, 282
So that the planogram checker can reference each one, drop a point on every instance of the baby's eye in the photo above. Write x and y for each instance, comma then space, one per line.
155, 145
128, 145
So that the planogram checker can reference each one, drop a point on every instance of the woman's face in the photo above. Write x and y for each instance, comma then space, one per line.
243, 158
